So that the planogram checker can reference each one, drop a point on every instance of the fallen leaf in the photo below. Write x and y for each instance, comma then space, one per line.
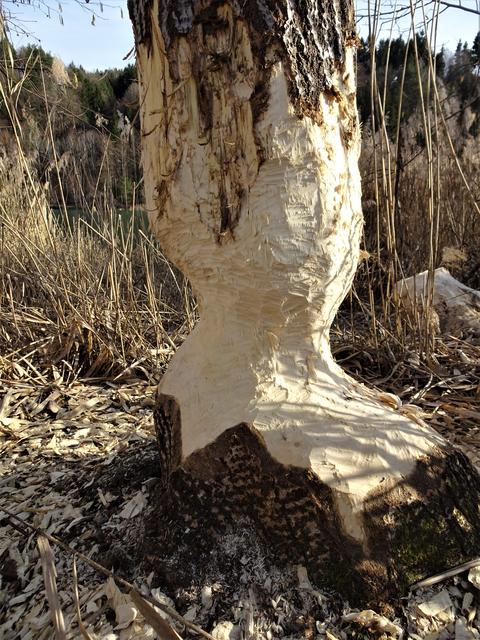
125, 611
374, 622
134, 506
440, 602
161, 626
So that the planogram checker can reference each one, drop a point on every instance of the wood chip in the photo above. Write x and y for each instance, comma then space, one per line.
161, 626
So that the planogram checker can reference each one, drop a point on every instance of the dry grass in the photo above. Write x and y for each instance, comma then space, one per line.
457, 222
421, 195
91, 296
78, 300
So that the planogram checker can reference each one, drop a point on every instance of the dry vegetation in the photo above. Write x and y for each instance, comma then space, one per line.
77, 299
90, 313
90, 296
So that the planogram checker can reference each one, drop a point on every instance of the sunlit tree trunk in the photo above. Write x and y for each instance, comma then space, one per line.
250, 154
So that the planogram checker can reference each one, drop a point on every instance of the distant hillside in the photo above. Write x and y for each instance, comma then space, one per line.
79, 129
457, 77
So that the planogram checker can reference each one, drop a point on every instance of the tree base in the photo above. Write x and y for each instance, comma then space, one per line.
414, 527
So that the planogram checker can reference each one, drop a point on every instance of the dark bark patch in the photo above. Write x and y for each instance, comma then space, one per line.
169, 436
260, 97
309, 37
210, 20
139, 11
414, 527
236, 478
162, 194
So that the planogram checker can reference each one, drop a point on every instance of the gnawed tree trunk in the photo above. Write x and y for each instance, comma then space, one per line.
250, 149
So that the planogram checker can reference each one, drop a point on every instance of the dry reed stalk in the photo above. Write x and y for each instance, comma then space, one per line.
50, 579
412, 196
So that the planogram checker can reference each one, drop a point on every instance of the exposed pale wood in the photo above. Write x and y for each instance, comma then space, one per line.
455, 307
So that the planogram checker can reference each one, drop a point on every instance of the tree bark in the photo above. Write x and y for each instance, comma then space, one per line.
250, 153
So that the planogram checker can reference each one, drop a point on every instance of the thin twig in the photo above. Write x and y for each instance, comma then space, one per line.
81, 626
439, 577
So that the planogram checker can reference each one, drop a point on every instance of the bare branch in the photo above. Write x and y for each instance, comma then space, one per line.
459, 6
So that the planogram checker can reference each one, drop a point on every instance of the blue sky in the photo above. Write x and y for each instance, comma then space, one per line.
94, 47
453, 24
108, 42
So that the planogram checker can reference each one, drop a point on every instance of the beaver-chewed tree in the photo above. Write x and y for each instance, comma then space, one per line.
250, 148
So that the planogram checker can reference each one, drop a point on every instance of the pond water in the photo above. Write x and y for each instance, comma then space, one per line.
122, 220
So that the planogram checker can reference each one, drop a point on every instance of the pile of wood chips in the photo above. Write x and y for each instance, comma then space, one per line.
55, 440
